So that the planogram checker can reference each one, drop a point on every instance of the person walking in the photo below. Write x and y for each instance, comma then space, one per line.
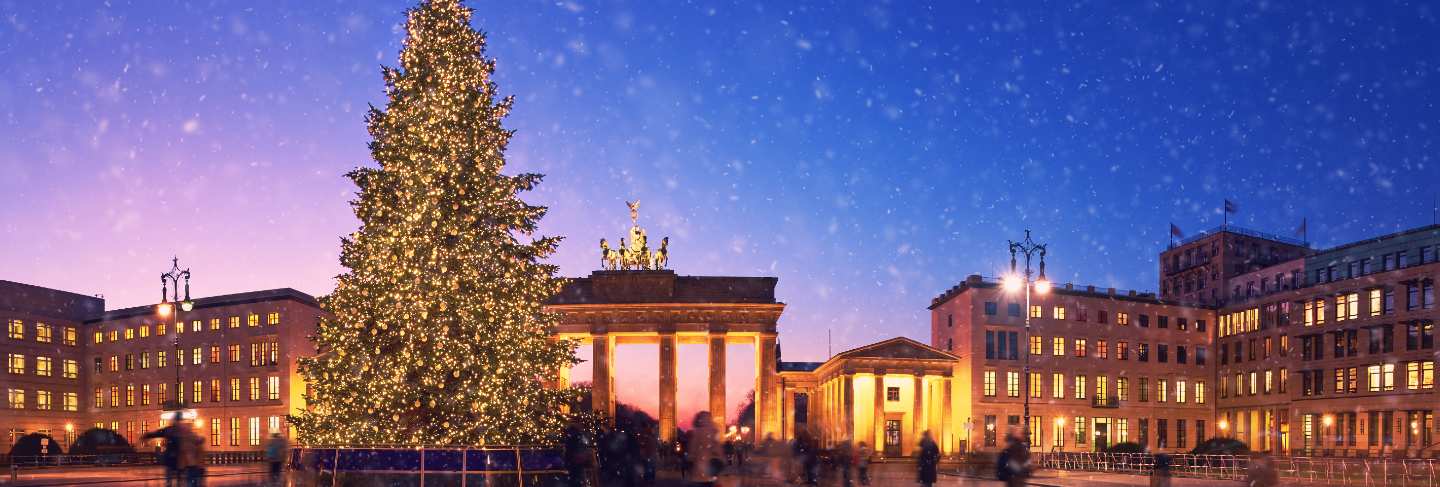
1013, 467
191, 457
704, 449
929, 460
1262, 471
169, 453
842, 459
862, 463
1160, 475
275, 450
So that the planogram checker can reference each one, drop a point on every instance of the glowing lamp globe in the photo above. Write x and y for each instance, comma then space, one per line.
165, 309
187, 305
1012, 284
1042, 286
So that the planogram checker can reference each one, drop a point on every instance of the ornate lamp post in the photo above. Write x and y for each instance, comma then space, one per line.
1014, 282
169, 300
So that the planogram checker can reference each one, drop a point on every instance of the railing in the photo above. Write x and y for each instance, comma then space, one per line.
1315, 471
518, 466
211, 458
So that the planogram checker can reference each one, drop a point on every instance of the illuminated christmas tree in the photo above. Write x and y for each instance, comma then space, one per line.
437, 333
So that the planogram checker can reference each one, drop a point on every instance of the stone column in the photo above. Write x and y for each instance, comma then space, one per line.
602, 392
717, 379
765, 410
948, 440
918, 416
562, 381
667, 386
879, 413
847, 404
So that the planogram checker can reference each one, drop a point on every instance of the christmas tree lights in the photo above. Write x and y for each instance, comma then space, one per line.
437, 334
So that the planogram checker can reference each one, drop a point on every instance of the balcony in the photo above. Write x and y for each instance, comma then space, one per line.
1105, 402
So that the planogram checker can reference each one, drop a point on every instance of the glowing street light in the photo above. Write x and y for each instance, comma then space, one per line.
1013, 283
169, 297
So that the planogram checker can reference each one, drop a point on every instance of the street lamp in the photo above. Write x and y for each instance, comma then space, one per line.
1031, 283
169, 298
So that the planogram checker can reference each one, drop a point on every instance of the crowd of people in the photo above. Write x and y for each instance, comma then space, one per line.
182, 453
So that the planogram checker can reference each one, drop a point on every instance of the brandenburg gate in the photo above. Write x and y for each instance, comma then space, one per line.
635, 300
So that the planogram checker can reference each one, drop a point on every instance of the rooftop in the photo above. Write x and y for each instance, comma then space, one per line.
663, 286
216, 301
975, 281
1239, 230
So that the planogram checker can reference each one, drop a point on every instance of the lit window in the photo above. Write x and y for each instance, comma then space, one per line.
129, 333
988, 382
1012, 384
1080, 347
144, 394
1058, 346
195, 356
214, 431
1420, 375
1162, 390
70, 369
1122, 319
1180, 391
197, 392
254, 431
15, 363
255, 388
892, 394
195, 326
235, 389
160, 358
1199, 393
272, 318
214, 354
43, 367
44, 333
234, 353
234, 321
252, 320
1059, 312
1037, 345
17, 331
1080, 387
1122, 388
214, 390
16, 398
145, 331
1057, 386
130, 394
70, 401
114, 336
234, 431
1102, 349
1035, 311
214, 324
99, 337
160, 329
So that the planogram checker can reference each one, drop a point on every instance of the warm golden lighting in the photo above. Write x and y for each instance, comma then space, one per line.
1224, 425
1327, 420
1013, 283
69, 427
187, 305
1042, 286
1060, 422
164, 309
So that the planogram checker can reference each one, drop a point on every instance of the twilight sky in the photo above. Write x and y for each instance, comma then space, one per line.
869, 156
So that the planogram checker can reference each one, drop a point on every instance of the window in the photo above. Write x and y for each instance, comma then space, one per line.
1080, 435
254, 388
989, 383
1012, 384
1013, 309
144, 394
1057, 434
990, 308
1122, 319
1033, 383
1255, 382
1035, 311
1144, 320
214, 354
1143, 353
235, 389
214, 390
1057, 385
1199, 392
1037, 345
1080, 347
1144, 389
1162, 321
1080, 387
1102, 388
114, 396
214, 324
1162, 352
44, 333
1122, 350
195, 326
17, 331
1200, 354
70, 369
195, 356
1100, 316
113, 336
1427, 294
1179, 433
160, 358
197, 391
69, 401
1352, 380
1058, 312
43, 367
15, 363
1102, 349
214, 431
1420, 375
129, 333
1284, 378
234, 431
1057, 346
1412, 296
99, 337
234, 322
1161, 431
129, 395
16, 398
129, 361
1162, 390
160, 329
1381, 377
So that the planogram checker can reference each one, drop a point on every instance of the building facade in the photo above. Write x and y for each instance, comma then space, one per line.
230, 360
1105, 367
1202, 269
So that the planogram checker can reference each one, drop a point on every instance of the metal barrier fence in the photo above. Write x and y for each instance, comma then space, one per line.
519, 466
1314, 471
211, 458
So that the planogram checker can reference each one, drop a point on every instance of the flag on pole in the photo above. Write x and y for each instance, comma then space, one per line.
1301, 229
1230, 207
1175, 231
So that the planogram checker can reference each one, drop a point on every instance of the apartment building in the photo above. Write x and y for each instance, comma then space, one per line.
43, 349
1106, 366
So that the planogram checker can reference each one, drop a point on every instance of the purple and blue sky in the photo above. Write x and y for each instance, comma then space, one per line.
870, 155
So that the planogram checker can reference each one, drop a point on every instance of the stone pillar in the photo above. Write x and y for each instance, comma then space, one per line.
918, 416
602, 392
562, 381
879, 414
667, 386
847, 405
947, 422
717, 379
765, 410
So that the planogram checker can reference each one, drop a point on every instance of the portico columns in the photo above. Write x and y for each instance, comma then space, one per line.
667, 386
918, 417
717, 379
764, 386
848, 404
602, 392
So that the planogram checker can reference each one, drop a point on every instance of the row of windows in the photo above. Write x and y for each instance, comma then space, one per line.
262, 353
143, 395
1081, 313
1104, 430
1260, 382
143, 331
44, 332
1419, 295
15, 363
1259, 349
1379, 339
1079, 388
251, 434
1003, 345
1365, 266
44, 400
1376, 424
1419, 376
